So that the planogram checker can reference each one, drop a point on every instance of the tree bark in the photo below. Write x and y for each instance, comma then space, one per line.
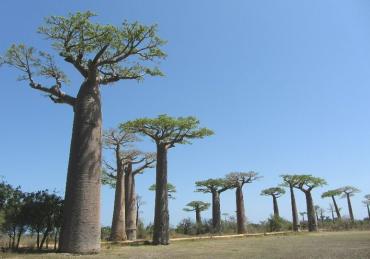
130, 204
216, 211
240, 211
336, 208
118, 232
311, 214
198, 217
80, 231
296, 224
161, 216
350, 207
276, 207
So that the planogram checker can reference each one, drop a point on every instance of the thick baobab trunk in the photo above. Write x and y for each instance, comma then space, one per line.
161, 216
118, 232
240, 212
131, 206
350, 207
276, 207
336, 208
81, 219
294, 210
216, 211
197, 216
311, 214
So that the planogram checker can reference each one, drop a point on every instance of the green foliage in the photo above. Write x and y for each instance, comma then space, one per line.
211, 185
349, 190
238, 179
331, 193
168, 131
307, 182
197, 205
289, 180
171, 190
275, 224
273, 191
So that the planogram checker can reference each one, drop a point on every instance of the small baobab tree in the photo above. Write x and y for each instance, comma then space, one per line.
303, 213
366, 202
306, 183
198, 207
290, 181
332, 194
348, 192
331, 209
237, 180
102, 55
166, 132
275, 193
215, 187
114, 175
135, 165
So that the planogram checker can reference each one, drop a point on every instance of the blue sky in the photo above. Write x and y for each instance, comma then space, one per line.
284, 84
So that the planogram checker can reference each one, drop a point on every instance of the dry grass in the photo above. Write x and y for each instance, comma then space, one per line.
319, 245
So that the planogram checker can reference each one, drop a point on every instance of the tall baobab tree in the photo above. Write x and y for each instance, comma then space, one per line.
332, 194
166, 132
290, 181
275, 193
348, 192
102, 55
198, 207
141, 161
306, 183
117, 141
237, 180
215, 187
367, 204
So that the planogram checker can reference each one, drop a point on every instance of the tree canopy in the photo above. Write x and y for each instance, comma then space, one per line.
168, 131
273, 191
306, 182
238, 179
213, 185
349, 190
197, 205
331, 193
171, 190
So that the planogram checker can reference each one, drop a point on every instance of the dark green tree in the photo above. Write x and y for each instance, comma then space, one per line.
102, 55
348, 192
237, 180
215, 187
332, 194
166, 132
275, 193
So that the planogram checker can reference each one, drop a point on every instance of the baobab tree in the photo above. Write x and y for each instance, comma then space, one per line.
290, 181
319, 214
303, 214
141, 161
306, 183
332, 194
198, 207
215, 187
166, 132
171, 190
331, 209
367, 204
237, 180
348, 192
117, 141
102, 55
275, 193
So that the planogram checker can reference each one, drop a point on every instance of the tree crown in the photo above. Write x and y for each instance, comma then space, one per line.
349, 190
213, 185
171, 190
273, 191
238, 179
331, 193
197, 205
168, 131
307, 182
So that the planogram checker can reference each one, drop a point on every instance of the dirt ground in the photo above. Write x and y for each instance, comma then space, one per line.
318, 245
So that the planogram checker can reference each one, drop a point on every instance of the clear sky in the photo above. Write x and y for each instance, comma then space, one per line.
284, 84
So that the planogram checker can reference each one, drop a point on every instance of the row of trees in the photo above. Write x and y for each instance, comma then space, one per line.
37, 213
236, 180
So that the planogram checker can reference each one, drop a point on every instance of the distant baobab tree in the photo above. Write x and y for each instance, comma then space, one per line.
198, 207
102, 54
367, 204
290, 181
275, 193
215, 187
348, 192
306, 183
237, 180
303, 214
332, 194
171, 190
331, 209
166, 132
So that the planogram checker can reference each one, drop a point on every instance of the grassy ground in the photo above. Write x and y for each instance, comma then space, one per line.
319, 245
